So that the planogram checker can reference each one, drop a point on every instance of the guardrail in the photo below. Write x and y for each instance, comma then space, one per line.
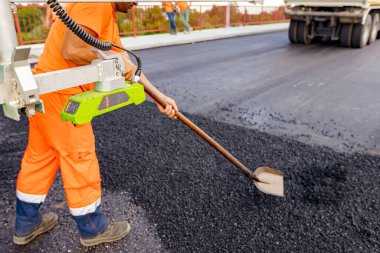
148, 19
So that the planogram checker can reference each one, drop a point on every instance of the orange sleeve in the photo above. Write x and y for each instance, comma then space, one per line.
92, 15
182, 6
118, 42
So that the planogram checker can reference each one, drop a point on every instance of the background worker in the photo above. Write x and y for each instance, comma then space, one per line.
169, 10
184, 15
55, 144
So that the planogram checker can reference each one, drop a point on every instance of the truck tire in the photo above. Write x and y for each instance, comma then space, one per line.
293, 31
303, 33
346, 35
374, 28
360, 34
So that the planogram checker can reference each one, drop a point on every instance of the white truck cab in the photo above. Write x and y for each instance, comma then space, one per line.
354, 23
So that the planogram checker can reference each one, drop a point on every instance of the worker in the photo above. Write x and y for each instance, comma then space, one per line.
169, 11
184, 15
55, 144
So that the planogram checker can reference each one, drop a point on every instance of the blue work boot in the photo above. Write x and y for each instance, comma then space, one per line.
114, 232
94, 228
48, 221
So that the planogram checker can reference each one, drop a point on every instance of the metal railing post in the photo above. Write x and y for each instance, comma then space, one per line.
200, 18
228, 16
275, 15
245, 16
133, 22
225, 14
18, 28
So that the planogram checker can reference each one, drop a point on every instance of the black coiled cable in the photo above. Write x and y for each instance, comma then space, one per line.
83, 35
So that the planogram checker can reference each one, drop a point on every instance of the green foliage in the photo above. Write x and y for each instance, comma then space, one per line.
30, 18
149, 20
123, 22
153, 18
38, 33
236, 16
194, 18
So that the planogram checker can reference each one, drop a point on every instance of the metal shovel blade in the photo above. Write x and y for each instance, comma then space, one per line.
270, 181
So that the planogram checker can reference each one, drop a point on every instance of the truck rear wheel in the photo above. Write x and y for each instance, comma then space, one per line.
293, 31
303, 33
374, 28
346, 35
361, 33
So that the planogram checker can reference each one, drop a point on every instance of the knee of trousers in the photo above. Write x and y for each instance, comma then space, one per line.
81, 181
38, 171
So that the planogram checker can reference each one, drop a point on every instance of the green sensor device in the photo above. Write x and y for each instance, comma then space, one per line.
81, 108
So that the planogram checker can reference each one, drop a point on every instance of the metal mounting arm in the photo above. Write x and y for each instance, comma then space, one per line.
21, 89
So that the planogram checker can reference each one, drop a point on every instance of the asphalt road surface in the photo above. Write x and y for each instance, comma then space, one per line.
182, 196
320, 94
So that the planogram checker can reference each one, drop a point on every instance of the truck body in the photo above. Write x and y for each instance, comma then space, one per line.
354, 23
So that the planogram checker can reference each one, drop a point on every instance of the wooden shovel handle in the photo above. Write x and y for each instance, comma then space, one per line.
201, 133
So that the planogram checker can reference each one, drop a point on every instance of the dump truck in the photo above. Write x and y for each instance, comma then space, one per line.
353, 23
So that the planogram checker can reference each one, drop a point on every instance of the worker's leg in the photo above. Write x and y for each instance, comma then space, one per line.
171, 21
78, 164
38, 169
184, 16
81, 180
187, 16
80, 173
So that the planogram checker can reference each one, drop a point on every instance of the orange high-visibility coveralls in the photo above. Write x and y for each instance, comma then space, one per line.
182, 6
54, 143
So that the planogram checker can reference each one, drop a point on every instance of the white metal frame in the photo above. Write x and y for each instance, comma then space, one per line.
19, 88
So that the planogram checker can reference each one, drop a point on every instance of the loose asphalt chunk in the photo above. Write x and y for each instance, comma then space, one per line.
182, 196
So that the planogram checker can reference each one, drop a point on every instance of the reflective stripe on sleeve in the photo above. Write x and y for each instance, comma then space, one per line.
30, 198
85, 210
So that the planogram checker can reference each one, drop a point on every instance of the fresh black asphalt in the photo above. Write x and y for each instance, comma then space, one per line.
319, 94
195, 201
182, 196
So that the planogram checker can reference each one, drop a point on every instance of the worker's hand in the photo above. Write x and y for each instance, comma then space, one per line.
129, 67
170, 109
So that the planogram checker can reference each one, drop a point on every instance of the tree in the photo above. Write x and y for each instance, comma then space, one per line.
154, 19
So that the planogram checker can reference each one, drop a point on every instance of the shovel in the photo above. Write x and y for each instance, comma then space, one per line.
266, 179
